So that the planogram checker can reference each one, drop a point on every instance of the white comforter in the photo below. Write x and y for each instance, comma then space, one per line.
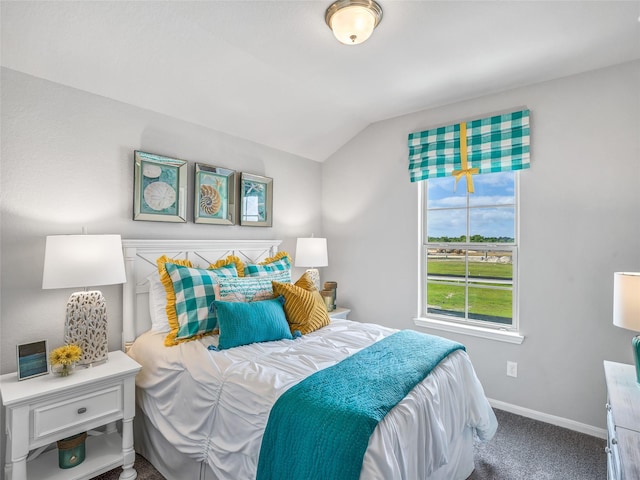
213, 406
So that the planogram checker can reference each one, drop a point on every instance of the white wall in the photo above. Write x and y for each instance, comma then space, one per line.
580, 222
67, 162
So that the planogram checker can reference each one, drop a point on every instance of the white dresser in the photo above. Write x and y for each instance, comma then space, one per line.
623, 422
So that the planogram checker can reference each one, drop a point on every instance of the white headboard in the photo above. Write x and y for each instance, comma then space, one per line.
140, 261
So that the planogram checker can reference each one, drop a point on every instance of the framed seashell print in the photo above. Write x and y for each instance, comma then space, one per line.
160, 187
256, 200
215, 195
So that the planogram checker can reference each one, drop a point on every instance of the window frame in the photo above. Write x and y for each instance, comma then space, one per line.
496, 331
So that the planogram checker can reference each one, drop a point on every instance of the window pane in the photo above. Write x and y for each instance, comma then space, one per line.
493, 189
492, 225
491, 285
446, 282
447, 225
491, 266
490, 304
441, 194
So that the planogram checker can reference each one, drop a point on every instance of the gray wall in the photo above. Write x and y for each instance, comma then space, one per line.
67, 162
580, 222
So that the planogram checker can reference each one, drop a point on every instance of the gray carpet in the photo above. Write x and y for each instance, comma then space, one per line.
525, 449
522, 449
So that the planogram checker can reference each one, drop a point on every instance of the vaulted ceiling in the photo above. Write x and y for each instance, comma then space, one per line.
272, 72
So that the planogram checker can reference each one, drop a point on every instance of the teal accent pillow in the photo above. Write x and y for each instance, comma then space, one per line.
281, 265
245, 323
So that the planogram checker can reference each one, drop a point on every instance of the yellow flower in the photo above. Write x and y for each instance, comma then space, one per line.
65, 355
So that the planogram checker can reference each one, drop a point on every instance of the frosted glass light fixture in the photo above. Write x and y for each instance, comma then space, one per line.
312, 252
72, 261
626, 308
353, 21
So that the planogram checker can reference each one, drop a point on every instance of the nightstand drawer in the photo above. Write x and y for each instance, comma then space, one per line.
49, 418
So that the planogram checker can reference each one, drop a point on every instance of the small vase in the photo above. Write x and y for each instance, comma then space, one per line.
63, 370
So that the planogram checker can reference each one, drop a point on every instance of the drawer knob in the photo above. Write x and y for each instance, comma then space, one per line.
607, 449
608, 407
82, 410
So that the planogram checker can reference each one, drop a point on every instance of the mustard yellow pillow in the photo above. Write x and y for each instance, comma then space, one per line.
306, 282
305, 310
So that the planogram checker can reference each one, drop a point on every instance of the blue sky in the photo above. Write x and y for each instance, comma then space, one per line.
491, 190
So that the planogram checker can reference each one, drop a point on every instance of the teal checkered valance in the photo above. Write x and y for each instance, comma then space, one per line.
494, 144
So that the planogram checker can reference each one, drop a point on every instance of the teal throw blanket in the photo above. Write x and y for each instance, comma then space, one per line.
320, 428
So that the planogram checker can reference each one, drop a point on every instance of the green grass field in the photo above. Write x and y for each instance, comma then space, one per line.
455, 267
486, 303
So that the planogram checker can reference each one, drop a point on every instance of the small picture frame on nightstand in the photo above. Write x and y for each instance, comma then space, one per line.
32, 359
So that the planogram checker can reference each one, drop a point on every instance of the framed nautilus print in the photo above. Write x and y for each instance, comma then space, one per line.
256, 200
215, 195
160, 188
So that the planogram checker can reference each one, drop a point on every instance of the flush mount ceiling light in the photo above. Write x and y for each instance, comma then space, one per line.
353, 21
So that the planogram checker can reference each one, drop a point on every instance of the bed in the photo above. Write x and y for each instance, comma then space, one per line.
201, 413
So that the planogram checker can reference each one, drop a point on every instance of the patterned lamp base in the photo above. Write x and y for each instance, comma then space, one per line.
86, 326
314, 275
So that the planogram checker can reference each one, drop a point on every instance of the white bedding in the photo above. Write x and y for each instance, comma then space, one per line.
213, 406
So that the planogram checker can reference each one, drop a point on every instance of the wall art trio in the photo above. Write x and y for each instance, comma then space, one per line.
221, 196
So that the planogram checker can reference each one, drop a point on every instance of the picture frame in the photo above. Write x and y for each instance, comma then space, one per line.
215, 195
32, 359
160, 188
256, 200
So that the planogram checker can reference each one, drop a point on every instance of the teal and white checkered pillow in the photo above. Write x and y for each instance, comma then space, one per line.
281, 265
250, 289
194, 289
225, 271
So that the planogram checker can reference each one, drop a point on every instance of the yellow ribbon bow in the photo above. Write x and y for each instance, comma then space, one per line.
465, 171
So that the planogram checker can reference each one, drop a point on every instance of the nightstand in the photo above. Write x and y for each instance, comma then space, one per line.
339, 312
42, 410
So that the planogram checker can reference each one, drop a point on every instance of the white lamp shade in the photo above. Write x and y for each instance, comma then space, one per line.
626, 300
83, 261
311, 252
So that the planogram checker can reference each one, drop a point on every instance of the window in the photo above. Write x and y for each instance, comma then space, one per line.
470, 250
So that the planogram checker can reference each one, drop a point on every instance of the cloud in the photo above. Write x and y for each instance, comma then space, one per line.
475, 201
488, 222
497, 179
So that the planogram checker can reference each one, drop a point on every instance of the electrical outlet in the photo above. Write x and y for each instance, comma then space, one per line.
512, 369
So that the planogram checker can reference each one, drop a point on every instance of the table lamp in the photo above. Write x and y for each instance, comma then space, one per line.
626, 308
72, 261
312, 252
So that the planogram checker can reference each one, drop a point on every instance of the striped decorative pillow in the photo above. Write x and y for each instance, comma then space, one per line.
250, 289
281, 262
304, 308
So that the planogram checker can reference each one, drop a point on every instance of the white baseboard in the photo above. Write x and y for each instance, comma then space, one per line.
552, 419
